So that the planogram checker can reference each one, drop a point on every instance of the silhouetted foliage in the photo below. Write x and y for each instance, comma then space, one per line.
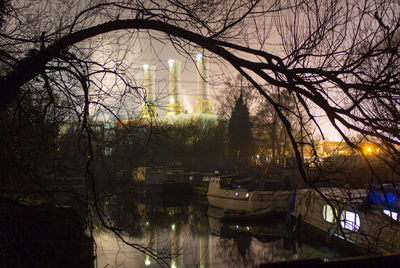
195, 142
27, 139
338, 60
4, 9
240, 137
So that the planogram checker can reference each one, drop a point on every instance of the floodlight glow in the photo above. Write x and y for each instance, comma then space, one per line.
145, 67
171, 62
173, 227
199, 56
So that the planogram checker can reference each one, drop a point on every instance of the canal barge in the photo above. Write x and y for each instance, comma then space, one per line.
157, 180
240, 201
368, 219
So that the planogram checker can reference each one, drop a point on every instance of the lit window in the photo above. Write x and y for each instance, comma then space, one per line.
394, 215
350, 220
328, 214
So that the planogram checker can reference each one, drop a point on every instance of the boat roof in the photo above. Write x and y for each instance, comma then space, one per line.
339, 194
384, 196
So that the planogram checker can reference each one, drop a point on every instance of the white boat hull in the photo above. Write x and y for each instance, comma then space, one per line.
244, 201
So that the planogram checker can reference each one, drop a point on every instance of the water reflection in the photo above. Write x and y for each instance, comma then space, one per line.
187, 235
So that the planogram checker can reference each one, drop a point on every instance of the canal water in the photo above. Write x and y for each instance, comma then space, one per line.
184, 232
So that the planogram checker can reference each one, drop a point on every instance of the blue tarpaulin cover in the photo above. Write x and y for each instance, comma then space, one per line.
376, 197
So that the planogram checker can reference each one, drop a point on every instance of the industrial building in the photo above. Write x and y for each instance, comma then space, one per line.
175, 107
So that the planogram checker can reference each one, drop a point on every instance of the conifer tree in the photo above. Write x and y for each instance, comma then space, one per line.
239, 129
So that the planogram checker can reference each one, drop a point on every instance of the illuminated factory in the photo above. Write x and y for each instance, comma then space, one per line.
174, 107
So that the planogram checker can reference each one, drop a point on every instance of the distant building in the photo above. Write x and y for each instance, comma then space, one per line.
324, 148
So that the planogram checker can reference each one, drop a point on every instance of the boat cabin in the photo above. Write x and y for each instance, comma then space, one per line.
367, 218
233, 194
223, 186
150, 175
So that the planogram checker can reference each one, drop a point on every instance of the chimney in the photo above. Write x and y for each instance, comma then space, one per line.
202, 77
174, 107
149, 82
202, 105
149, 109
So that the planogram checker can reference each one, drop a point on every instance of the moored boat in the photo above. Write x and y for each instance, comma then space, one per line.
365, 218
245, 201
156, 180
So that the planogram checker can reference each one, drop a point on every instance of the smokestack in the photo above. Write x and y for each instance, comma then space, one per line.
174, 107
202, 77
149, 109
202, 104
149, 82
174, 81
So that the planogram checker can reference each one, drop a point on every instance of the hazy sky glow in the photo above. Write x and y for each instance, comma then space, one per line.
131, 53
309, 37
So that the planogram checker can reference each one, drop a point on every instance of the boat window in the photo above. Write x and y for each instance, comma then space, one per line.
328, 214
350, 220
394, 215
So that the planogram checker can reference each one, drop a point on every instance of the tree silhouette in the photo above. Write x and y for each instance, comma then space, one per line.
239, 129
338, 59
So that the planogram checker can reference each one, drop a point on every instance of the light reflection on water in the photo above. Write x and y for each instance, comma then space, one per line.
187, 236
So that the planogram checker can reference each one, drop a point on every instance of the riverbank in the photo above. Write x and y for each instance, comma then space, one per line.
42, 236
